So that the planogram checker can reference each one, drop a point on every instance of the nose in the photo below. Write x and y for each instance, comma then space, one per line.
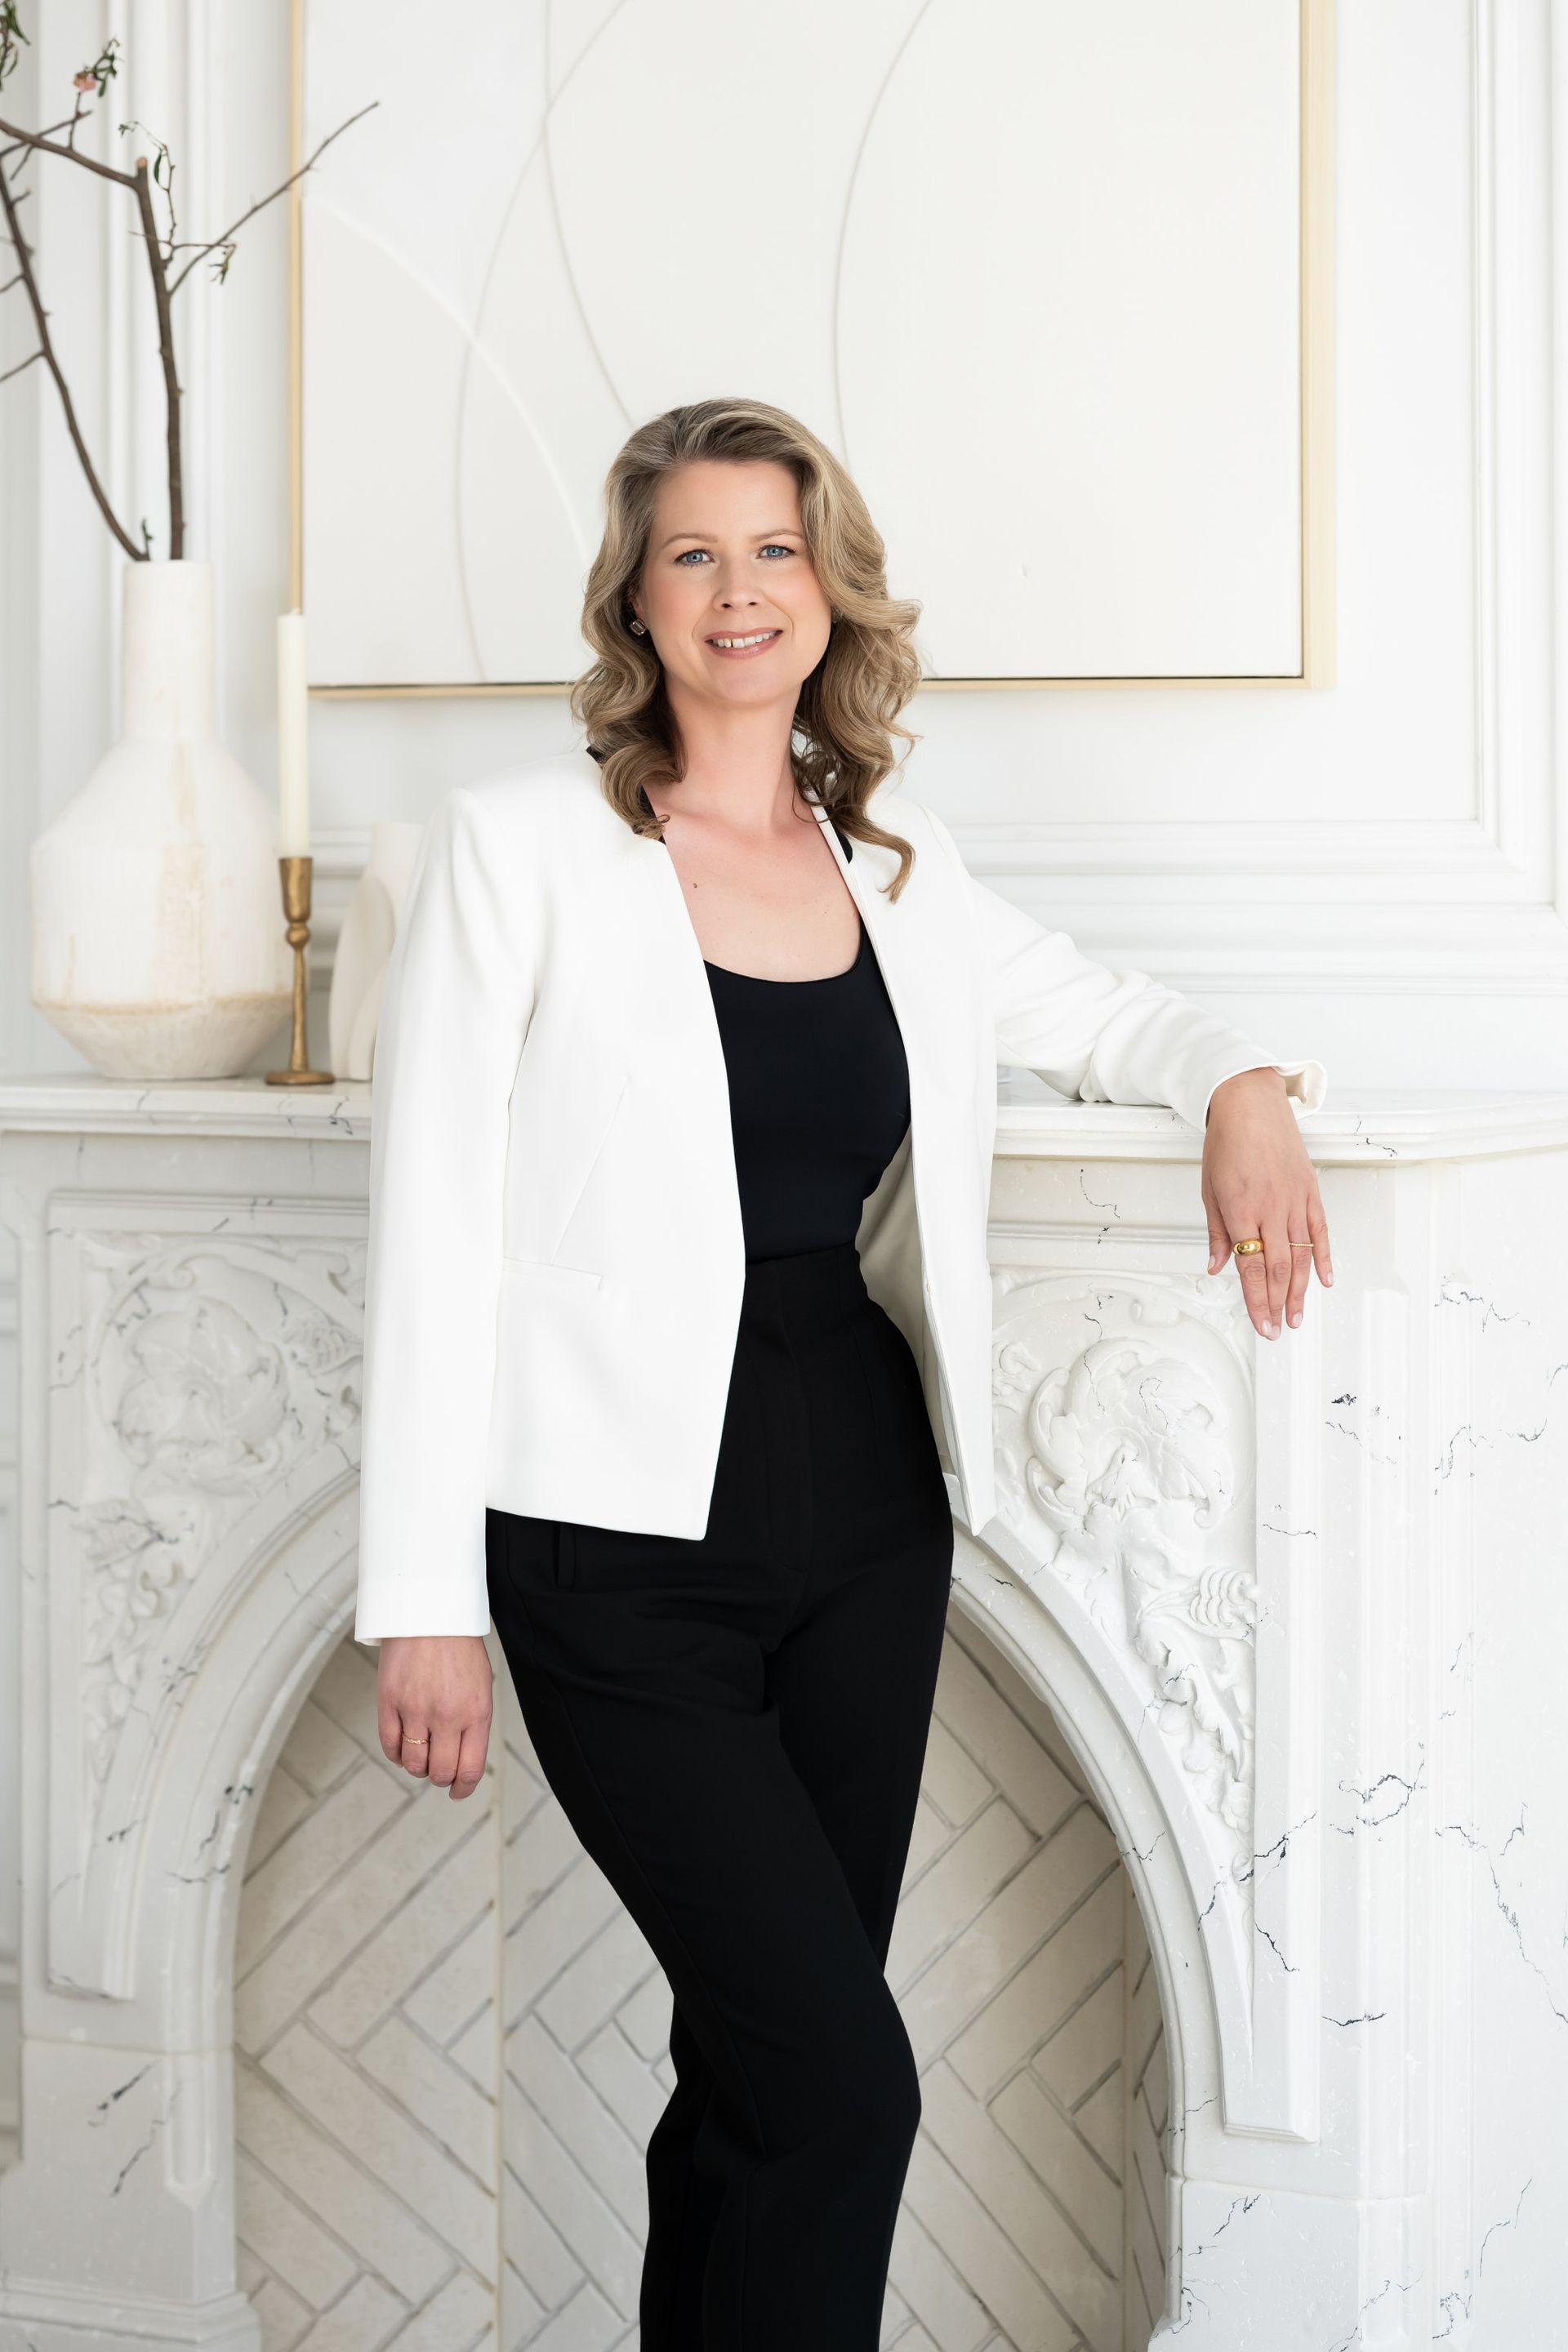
735, 585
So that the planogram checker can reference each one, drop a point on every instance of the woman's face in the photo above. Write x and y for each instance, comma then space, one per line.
727, 559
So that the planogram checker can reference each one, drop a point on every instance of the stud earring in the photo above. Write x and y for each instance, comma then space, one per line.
637, 627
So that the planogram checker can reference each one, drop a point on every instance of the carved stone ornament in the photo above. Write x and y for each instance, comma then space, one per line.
211, 1370
1123, 1419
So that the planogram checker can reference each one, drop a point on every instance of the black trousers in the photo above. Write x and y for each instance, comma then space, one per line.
735, 1727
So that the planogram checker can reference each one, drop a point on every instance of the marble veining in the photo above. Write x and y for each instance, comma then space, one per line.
1295, 1610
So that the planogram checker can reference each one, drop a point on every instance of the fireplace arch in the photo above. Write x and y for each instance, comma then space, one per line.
452, 2042
1249, 1582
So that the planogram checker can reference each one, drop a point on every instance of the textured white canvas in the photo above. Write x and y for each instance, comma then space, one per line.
1031, 272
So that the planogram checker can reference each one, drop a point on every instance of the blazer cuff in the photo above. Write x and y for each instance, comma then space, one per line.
1306, 1083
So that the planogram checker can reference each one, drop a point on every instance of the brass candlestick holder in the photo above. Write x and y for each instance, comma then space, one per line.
295, 873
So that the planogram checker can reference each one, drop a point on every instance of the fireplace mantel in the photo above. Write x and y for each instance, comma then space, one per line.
1298, 1609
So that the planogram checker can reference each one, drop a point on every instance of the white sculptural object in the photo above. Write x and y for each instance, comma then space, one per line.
364, 944
158, 931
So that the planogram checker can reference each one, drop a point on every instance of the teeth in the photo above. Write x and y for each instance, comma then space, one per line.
757, 638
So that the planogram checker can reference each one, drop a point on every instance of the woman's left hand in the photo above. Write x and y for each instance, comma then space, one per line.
1258, 1183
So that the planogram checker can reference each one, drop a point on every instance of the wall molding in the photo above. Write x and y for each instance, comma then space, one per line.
1407, 907
1417, 908
1387, 906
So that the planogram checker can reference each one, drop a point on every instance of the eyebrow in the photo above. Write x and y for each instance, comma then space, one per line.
786, 530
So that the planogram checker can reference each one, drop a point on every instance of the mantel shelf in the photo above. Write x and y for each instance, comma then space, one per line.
1379, 1124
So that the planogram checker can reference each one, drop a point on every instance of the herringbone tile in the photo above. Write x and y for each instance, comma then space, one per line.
368, 2152
1144, 2124
453, 2045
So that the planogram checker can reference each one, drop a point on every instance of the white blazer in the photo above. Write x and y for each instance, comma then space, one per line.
555, 1258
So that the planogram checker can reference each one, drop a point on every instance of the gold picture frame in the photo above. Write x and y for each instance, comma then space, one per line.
1317, 29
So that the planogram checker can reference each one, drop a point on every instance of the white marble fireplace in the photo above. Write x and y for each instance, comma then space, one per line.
1232, 1942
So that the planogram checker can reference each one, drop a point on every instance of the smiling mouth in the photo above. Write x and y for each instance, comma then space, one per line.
744, 644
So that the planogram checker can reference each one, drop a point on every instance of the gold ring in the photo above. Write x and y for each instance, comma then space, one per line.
1247, 1249
1301, 1246
423, 1742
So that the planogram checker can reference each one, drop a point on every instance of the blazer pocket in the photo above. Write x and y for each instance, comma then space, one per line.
601, 1131
551, 1272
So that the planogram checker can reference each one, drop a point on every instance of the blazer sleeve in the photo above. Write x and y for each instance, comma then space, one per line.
454, 1014
1103, 1035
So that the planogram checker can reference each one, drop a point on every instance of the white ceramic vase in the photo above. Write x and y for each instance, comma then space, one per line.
158, 930
364, 945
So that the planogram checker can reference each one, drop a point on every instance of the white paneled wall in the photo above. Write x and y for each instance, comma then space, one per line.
1391, 842
1373, 874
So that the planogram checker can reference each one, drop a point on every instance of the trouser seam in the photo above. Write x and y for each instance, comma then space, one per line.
809, 1510
646, 1883
673, 2305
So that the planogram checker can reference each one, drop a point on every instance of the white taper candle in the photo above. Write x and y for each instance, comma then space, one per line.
293, 739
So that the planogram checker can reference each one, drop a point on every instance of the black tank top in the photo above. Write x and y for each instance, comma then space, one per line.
819, 1098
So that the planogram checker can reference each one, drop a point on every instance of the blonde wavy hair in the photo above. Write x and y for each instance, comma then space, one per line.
847, 714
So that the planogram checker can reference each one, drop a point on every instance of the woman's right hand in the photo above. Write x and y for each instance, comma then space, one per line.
433, 1706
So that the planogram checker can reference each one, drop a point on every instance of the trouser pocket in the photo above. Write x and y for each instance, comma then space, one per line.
881, 1401
903, 1422
537, 1555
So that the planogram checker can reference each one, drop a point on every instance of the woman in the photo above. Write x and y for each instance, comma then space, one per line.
679, 1308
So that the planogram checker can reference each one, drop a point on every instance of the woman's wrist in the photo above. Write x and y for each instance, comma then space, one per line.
1255, 1084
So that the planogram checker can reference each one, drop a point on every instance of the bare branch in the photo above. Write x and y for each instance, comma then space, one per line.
49, 130
95, 78
162, 175
162, 245
251, 211
46, 353
161, 296
43, 146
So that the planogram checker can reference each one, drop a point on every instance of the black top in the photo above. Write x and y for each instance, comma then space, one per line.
819, 1099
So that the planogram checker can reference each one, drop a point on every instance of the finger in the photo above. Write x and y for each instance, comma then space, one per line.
1255, 1291
1219, 1240
470, 1759
446, 1739
1243, 1221
1301, 1267
414, 1756
389, 1728
1276, 1258
1318, 1234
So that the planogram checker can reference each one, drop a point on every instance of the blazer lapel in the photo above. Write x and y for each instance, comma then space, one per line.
916, 954
668, 1003
665, 1007
863, 888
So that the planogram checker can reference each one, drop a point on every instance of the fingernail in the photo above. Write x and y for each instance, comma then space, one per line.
1295, 1318
1270, 1331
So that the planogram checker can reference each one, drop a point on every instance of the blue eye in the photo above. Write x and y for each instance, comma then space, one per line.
772, 546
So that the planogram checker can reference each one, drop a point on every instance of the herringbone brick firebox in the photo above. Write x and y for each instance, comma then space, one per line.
451, 2044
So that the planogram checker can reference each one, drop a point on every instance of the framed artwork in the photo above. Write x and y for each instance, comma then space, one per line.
1053, 279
